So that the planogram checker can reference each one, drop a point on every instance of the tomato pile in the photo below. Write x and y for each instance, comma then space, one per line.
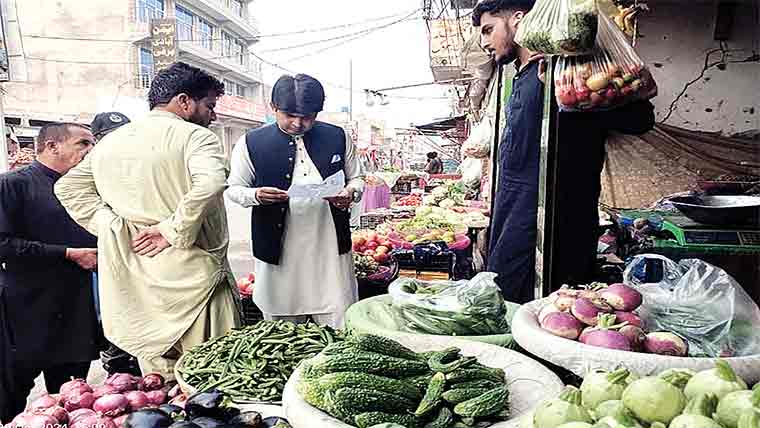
410, 201
372, 244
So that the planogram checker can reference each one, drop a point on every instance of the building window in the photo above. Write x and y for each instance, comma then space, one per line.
240, 51
150, 9
185, 20
237, 7
147, 68
240, 90
206, 34
227, 43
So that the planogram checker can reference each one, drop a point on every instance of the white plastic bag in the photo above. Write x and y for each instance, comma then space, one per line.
559, 27
462, 308
700, 302
471, 169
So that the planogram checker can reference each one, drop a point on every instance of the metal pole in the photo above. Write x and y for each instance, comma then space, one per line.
351, 91
4, 145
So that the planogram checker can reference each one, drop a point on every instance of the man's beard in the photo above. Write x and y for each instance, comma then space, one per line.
511, 49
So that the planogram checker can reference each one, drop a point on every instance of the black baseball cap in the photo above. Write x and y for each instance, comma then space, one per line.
105, 122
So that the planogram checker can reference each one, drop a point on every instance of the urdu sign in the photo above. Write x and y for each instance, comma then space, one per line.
163, 36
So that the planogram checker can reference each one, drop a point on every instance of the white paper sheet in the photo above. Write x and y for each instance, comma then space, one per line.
331, 186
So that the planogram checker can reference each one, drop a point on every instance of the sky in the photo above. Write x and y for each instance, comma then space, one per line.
394, 56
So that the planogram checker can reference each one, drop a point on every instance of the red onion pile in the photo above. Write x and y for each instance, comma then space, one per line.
79, 405
603, 316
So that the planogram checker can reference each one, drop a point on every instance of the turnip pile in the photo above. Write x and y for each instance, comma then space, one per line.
603, 315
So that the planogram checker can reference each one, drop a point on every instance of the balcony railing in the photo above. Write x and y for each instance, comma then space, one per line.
146, 12
143, 80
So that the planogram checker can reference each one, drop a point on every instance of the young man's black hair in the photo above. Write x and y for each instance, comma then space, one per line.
300, 95
181, 78
495, 7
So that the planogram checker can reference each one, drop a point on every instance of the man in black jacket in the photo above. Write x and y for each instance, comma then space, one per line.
47, 268
581, 156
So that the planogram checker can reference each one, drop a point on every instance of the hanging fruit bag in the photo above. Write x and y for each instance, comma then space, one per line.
610, 77
559, 27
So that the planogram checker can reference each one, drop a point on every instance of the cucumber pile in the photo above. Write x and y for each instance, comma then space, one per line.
370, 380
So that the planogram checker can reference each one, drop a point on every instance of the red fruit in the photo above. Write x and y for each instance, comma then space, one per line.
596, 99
372, 245
369, 253
381, 258
582, 93
611, 93
371, 236
567, 97
627, 90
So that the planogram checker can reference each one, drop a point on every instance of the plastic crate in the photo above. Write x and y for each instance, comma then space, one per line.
251, 313
371, 221
440, 263
371, 287
402, 187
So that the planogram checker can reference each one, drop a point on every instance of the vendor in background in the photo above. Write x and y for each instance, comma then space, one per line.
48, 262
580, 158
434, 165
114, 359
152, 192
11, 141
302, 247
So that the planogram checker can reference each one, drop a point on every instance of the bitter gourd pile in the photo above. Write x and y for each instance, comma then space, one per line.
370, 380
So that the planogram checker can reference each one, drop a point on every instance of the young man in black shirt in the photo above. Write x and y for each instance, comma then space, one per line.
582, 137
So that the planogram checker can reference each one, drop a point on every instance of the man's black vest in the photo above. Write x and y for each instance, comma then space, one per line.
273, 154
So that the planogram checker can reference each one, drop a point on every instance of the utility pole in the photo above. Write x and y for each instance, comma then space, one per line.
4, 166
3, 47
351, 90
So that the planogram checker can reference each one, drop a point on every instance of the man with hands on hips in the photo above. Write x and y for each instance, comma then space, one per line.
301, 246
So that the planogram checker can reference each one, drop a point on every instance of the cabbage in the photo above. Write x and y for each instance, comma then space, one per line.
720, 380
734, 404
601, 386
652, 399
567, 408
576, 425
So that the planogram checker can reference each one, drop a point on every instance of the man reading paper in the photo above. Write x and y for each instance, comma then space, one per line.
301, 245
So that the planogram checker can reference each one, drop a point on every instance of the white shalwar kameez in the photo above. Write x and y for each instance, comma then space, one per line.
312, 279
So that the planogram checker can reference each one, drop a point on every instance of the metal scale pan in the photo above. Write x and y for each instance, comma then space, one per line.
720, 210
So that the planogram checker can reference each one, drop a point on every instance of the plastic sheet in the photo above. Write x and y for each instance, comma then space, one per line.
559, 27
700, 302
610, 77
473, 307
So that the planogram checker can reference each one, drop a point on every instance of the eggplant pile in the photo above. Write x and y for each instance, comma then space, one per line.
202, 410
604, 315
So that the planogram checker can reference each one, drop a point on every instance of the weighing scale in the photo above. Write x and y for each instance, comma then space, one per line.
734, 249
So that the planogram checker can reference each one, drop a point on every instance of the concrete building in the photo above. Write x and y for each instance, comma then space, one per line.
71, 59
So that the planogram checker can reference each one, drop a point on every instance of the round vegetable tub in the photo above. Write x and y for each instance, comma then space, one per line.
375, 316
580, 358
529, 382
